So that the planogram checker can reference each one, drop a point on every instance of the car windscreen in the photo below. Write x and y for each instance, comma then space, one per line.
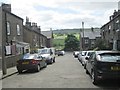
84, 53
110, 57
89, 53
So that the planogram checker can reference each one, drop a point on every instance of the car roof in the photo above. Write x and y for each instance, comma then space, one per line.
101, 52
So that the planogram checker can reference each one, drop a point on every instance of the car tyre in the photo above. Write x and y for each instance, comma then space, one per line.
38, 68
51, 61
19, 71
45, 64
54, 60
94, 78
84, 66
87, 71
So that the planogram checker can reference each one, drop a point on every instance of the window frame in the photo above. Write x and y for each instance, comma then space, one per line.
18, 29
8, 28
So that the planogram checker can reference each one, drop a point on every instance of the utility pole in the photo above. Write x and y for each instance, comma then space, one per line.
83, 42
39, 36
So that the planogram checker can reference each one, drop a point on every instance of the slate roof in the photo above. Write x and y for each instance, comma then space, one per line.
48, 34
91, 34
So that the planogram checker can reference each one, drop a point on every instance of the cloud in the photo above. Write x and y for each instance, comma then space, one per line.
58, 14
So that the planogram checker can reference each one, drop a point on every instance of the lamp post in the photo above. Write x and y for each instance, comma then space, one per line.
39, 36
83, 36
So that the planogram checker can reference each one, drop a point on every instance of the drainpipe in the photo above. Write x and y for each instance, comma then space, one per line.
4, 67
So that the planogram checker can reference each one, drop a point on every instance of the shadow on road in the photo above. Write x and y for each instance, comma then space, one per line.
30, 72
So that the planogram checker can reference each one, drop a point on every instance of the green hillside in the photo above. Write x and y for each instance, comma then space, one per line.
59, 39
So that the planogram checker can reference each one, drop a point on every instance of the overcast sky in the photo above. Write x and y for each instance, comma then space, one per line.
64, 14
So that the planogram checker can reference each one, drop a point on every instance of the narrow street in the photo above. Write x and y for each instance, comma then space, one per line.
66, 72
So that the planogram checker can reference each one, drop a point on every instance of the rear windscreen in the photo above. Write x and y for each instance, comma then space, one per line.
29, 56
110, 57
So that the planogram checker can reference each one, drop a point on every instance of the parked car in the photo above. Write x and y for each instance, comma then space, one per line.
103, 65
48, 54
87, 55
31, 62
81, 55
61, 53
75, 54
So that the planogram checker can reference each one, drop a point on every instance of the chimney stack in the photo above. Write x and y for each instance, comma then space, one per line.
6, 7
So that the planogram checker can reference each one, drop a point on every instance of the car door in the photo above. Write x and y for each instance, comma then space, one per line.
41, 61
90, 62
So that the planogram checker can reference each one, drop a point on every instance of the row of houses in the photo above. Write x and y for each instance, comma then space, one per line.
110, 31
16, 38
88, 38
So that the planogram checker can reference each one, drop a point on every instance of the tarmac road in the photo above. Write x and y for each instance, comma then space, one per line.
66, 72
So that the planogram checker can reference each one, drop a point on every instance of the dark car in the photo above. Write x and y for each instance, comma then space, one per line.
103, 65
31, 62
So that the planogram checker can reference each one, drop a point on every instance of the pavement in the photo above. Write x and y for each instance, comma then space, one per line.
10, 71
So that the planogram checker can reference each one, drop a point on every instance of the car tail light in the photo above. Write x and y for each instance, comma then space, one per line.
34, 61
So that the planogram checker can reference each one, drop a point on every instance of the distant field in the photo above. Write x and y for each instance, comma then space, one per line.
58, 43
63, 36
59, 40
59, 36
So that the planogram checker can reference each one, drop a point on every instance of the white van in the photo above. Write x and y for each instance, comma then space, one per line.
48, 54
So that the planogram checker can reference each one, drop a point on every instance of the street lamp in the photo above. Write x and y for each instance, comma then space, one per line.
83, 35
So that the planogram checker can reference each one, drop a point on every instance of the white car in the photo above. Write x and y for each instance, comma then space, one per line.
75, 54
48, 54
61, 53
87, 54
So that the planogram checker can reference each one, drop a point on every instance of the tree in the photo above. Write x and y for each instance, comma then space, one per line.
71, 43
101, 45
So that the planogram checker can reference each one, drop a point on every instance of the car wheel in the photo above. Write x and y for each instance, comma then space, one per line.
94, 78
54, 60
38, 68
51, 61
84, 66
45, 64
19, 71
87, 71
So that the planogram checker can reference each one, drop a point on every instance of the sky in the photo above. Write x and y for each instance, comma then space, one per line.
64, 14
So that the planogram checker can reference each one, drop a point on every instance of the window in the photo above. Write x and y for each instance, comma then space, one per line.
86, 41
18, 29
8, 28
92, 56
109, 27
117, 25
110, 57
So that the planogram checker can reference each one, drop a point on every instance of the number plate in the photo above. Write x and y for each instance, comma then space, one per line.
25, 63
115, 68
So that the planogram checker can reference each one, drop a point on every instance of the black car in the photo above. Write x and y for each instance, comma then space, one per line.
31, 62
103, 65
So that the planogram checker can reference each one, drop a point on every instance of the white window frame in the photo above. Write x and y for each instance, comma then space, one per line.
18, 29
109, 27
8, 28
